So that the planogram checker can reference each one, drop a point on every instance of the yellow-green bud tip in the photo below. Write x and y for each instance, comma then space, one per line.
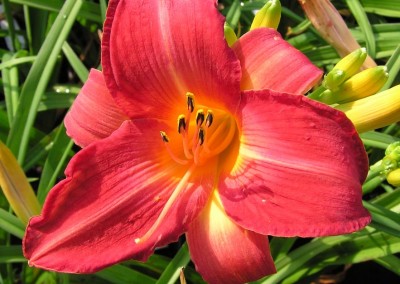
268, 16
334, 79
230, 35
352, 62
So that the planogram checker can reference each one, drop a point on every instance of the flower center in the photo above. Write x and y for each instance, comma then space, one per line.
203, 136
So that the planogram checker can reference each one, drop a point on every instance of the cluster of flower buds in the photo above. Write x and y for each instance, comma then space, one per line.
358, 94
268, 16
346, 84
390, 164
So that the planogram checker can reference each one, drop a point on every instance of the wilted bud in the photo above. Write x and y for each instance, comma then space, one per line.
374, 111
361, 85
330, 24
268, 16
344, 69
230, 35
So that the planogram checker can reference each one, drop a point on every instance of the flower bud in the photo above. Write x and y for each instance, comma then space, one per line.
394, 177
334, 79
393, 148
374, 111
345, 68
389, 164
16, 187
330, 24
268, 16
361, 85
230, 35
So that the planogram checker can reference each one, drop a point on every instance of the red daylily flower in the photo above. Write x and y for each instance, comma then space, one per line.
249, 158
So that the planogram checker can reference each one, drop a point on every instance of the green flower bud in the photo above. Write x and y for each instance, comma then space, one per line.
361, 85
334, 79
344, 69
395, 146
389, 164
230, 35
268, 16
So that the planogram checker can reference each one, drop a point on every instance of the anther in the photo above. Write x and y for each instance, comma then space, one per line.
190, 101
181, 123
201, 136
210, 118
200, 117
164, 137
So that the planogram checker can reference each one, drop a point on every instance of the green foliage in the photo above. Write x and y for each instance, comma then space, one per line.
41, 76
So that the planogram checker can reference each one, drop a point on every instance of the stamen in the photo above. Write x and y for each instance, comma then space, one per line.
201, 136
200, 117
164, 136
210, 118
165, 139
197, 147
181, 185
181, 124
190, 101
199, 122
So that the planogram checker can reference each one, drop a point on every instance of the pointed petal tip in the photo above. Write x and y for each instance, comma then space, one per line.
213, 238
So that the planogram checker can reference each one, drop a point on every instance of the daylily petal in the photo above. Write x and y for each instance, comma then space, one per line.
154, 52
269, 62
115, 191
300, 169
224, 252
94, 114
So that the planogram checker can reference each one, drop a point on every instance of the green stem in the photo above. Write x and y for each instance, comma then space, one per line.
372, 184
315, 95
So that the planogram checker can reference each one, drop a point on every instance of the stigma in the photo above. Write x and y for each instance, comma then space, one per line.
203, 135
